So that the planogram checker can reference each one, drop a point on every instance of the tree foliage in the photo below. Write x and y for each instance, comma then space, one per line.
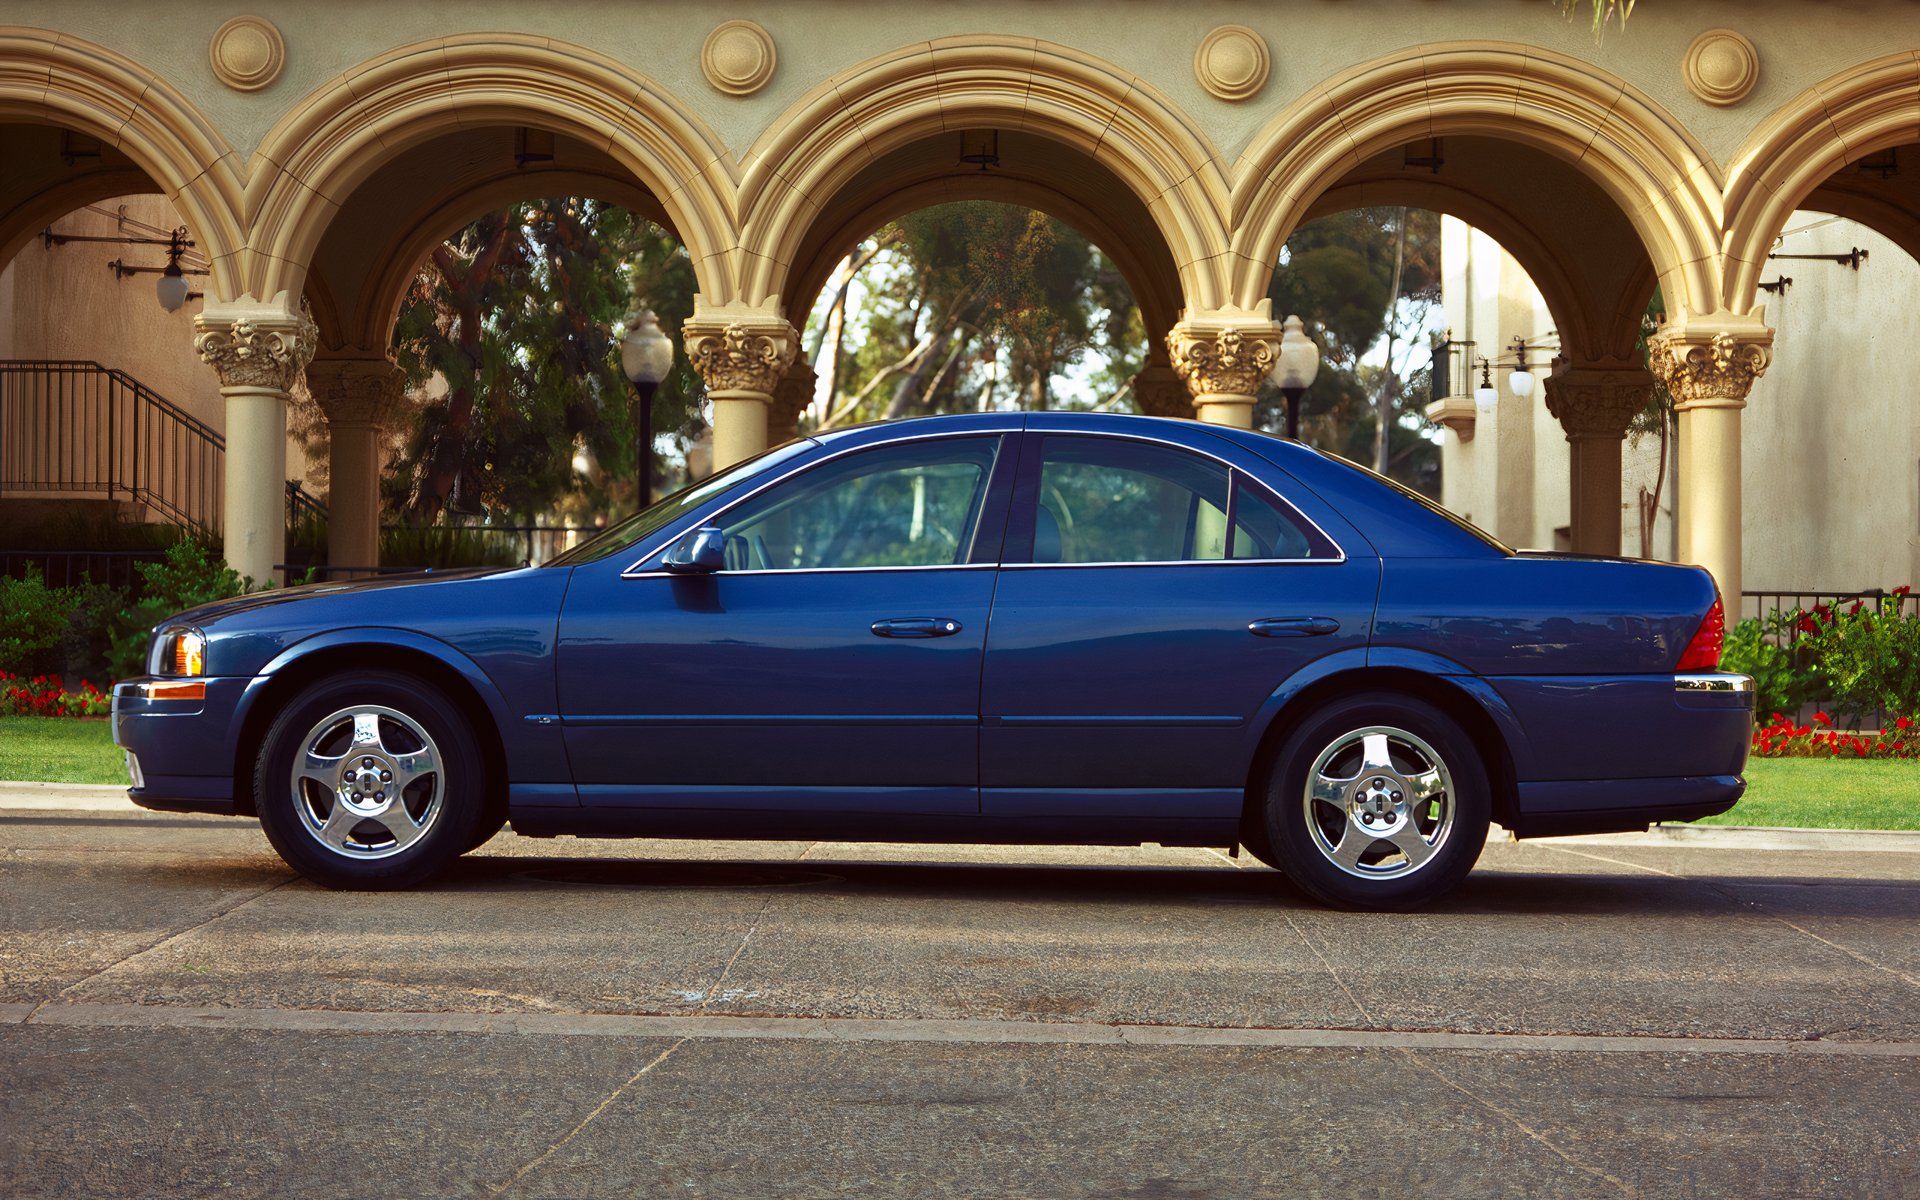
511, 327
1339, 275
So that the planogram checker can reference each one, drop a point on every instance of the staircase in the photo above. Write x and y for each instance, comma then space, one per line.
78, 431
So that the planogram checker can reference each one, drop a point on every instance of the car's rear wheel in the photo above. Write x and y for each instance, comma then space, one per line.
1377, 801
373, 780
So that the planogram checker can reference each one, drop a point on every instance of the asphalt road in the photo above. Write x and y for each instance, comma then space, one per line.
179, 1016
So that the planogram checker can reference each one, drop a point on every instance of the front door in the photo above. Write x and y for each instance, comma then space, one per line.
1152, 599
833, 665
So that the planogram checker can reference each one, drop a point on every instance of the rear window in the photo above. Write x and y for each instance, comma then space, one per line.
1448, 515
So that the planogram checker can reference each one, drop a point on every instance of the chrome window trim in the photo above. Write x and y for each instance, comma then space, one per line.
1723, 682
636, 571
1339, 551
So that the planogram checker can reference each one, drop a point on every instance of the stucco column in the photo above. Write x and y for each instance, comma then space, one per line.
1224, 355
742, 354
1595, 405
258, 350
1710, 366
790, 398
359, 397
1158, 391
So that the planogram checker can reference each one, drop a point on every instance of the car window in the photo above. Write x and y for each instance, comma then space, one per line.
909, 505
1110, 500
622, 535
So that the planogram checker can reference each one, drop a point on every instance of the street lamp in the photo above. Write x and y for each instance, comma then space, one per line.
1294, 368
646, 355
1484, 397
1521, 381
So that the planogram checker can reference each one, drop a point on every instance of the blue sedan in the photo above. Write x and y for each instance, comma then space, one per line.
1016, 628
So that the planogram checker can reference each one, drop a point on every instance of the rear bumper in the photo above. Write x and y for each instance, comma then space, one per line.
180, 757
1615, 754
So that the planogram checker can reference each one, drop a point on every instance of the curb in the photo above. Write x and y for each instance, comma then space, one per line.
28, 796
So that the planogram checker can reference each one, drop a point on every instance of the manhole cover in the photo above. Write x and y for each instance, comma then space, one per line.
676, 875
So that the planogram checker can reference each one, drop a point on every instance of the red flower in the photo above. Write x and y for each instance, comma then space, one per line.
1823, 720
1903, 722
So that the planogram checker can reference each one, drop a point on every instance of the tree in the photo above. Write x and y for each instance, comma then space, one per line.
970, 305
1365, 281
512, 326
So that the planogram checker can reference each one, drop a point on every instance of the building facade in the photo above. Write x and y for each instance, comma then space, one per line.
316, 151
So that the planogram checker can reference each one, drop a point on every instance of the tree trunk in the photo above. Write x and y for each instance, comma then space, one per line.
1389, 383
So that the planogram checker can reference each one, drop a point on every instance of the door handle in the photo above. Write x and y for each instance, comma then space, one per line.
1293, 627
916, 627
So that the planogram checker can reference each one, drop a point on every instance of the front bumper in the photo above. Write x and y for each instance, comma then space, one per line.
180, 751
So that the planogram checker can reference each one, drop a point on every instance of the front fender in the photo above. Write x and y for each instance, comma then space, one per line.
509, 728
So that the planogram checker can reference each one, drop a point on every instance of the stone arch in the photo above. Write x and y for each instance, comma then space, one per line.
1648, 165
950, 84
1155, 288
316, 155
1860, 111
57, 79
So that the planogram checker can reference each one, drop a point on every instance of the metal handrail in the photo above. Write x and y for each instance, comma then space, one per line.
75, 425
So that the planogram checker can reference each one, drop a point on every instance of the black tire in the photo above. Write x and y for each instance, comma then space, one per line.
455, 825
1369, 883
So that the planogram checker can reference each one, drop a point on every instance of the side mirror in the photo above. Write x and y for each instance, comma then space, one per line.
701, 552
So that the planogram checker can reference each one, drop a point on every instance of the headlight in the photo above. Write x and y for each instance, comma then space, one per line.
178, 651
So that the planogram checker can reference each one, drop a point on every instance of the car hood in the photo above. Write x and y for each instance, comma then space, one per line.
207, 614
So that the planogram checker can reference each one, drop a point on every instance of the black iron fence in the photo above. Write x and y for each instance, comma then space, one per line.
1763, 605
70, 568
73, 428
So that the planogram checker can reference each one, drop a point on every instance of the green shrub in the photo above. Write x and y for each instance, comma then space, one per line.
1868, 654
444, 546
86, 644
189, 576
1784, 676
32, 617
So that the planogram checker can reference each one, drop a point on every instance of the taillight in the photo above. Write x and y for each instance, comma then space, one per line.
1703, 652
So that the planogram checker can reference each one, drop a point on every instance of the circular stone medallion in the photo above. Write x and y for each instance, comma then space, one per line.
1232, 62
738, 57
247, 53
1721, 67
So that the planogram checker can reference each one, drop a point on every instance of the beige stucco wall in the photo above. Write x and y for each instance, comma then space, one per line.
62, 302
1310, 40
1830, 442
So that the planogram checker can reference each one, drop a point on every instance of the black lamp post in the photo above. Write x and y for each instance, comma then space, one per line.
1294, 368
646, 355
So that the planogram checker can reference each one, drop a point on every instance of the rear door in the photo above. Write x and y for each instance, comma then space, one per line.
1152, 598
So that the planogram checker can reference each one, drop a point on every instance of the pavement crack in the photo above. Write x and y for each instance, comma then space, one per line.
587, 1120
1418, 1060
1727, 893
176, 935
714, 990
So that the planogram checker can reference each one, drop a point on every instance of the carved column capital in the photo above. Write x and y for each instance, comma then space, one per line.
365, 392
260, 348
1708, 362
1158, 391
790, 398
1596, 402
738, 355
1224, 357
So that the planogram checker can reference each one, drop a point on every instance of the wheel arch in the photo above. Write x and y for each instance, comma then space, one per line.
439, 664
1461, 695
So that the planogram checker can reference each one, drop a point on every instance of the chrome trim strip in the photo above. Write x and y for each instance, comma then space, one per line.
1724, 682
633, 574
634, 571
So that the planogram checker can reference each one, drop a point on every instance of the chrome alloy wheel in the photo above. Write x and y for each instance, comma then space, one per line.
367, 783
1379, 803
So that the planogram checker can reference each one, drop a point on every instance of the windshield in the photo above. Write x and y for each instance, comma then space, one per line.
1451, 517
624, 533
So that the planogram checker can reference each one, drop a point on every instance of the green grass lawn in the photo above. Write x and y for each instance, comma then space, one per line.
1780, 791
60, 750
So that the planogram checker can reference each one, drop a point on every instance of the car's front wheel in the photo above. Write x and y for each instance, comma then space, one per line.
371, 780
1377, 801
